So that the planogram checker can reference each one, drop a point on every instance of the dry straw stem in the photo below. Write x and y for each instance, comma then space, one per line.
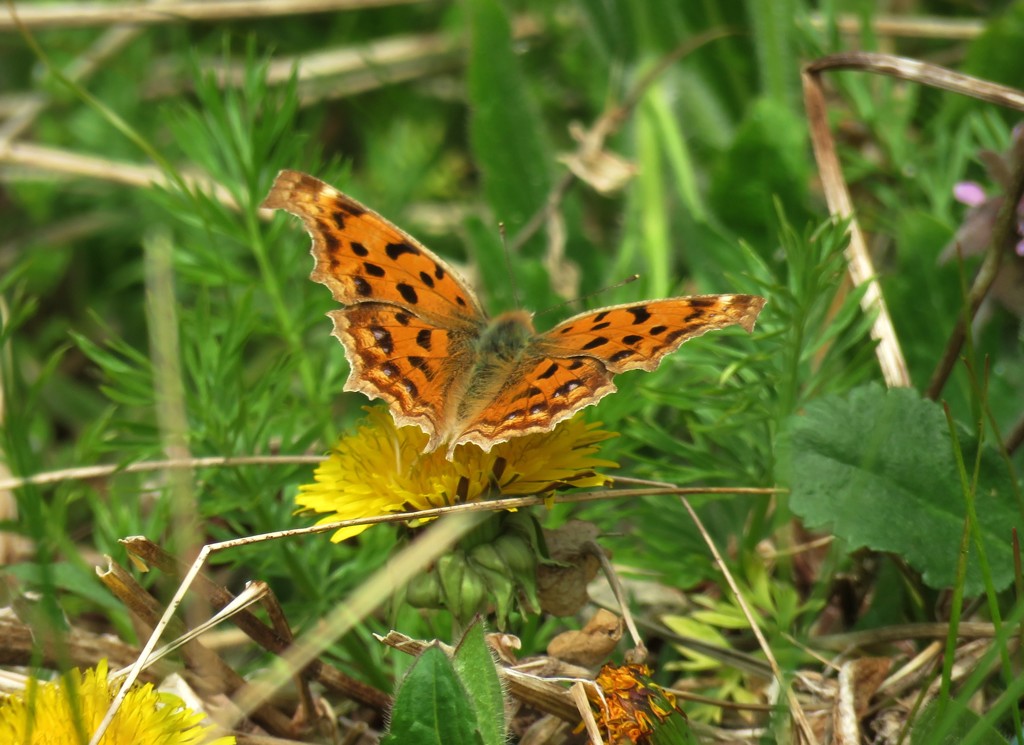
349, 612
344, 71
274, 640
859, 264
375, 56
20, 643
85, 473
639, 651
68, 15
399, 571
901, 632
909, 27
796, 711
68, 163
208, 672
371, 593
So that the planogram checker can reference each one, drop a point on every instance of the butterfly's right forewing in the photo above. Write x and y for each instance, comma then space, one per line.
409, 324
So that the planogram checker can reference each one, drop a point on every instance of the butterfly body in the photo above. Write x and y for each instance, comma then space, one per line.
416, 336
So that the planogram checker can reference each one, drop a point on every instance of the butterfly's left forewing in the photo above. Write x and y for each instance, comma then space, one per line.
638, 336
573, 365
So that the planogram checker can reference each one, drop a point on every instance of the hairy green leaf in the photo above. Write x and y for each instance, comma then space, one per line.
432, 706
877, 467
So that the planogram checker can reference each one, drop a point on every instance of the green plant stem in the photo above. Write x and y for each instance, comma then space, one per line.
273, 287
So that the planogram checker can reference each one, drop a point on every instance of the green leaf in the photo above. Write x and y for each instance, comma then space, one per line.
877, 466
507, 134
479, 675
675, 730
932, 727
432, 706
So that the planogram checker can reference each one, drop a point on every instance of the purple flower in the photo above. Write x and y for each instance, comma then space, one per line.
975, 233
970, 193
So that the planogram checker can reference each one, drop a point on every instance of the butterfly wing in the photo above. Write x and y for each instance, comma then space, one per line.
417, 368
362, 257
572, 365
638, 336
410, 321
543, 392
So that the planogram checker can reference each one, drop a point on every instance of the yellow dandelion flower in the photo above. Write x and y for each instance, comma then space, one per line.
68, 710
382, 469
633, 706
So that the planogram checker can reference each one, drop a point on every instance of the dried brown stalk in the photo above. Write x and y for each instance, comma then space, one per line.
859, 264
76, 15
908, 27
265, 636
210, 674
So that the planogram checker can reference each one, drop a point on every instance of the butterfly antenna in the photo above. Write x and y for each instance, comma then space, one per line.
626, 281
508, 264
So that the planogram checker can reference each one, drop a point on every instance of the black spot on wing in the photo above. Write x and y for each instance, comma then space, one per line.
597, 341
383, 338
631, 339
438, 271
389, 369
426, 279
552, 369
403, 318
331, 242
696, 315
620, 356
460, 300
640, 313
533, 391
700, 302
676, 335
410, 387
538, 408
349, 209
359, 249
339, 219
408, 292
362, 287
600, 316
423, 366
373, 270
576, 364
656, 330
566, 388
600, 326
394, 250
423, 339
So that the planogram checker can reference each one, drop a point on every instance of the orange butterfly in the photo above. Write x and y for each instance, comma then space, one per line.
416, 336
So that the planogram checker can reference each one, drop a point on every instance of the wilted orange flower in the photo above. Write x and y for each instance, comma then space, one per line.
632, 706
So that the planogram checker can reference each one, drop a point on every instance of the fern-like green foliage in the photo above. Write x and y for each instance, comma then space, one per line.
712, 414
